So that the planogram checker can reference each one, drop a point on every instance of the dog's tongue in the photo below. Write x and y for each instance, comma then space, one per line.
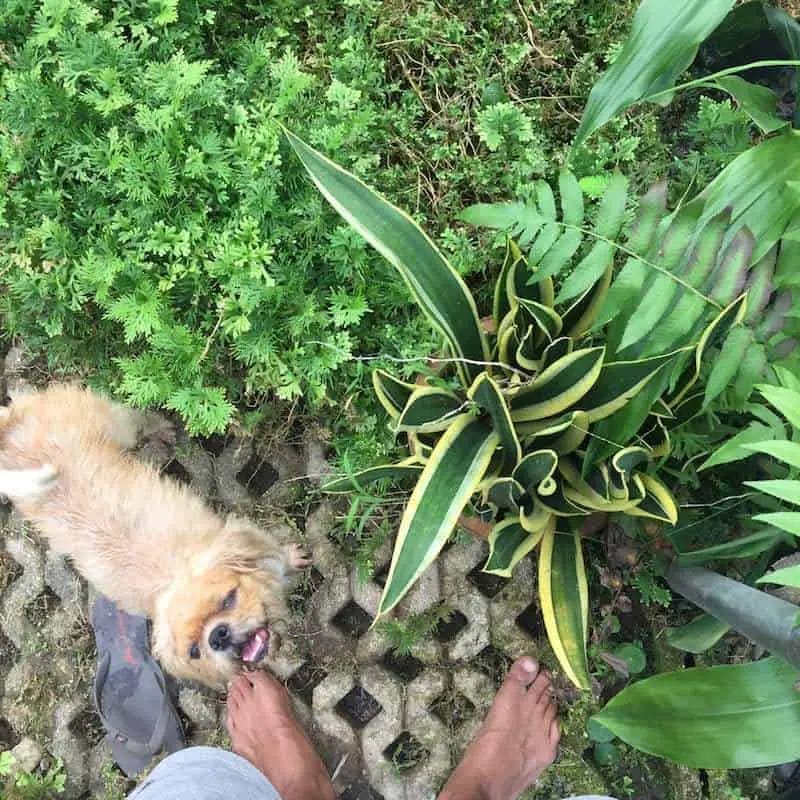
254, 648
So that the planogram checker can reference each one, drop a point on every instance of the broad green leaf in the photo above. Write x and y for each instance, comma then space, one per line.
658, 295
455, 468
392, 393
629, 281
403, 471
758, 102
788, 452
698, 635
429, 409
787, 378
751, 369
782, 489
597, 732
580, 316
785, 27
727, 717
743, 547
499, 216
587, 272
716, 331
611, 213
633, 656
786, 401
728, 278
627, 286
726, 365
652, 207
486, 393
436, 286
760, 286
662, 44
557, 257
734, 449
618, 382
755, 187
571, 198
788, 576
788, 521
559, 387
564, 598
509, 543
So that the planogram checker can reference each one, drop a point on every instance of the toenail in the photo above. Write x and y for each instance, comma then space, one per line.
529, 665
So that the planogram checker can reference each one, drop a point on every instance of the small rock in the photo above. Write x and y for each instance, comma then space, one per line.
27, 755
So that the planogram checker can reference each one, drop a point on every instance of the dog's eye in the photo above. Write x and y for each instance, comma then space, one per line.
194, 651
229, 601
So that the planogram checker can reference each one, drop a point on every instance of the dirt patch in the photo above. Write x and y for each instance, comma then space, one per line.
9, 570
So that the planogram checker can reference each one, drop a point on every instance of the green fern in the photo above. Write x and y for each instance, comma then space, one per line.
672, 274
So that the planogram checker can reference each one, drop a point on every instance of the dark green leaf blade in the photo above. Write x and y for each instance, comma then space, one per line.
748, 715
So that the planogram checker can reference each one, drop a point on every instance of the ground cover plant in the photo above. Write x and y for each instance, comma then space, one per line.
161, 239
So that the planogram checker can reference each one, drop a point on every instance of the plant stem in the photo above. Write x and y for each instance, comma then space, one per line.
778, 62
767, 620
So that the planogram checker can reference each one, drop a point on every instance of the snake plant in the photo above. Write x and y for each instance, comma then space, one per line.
508, 428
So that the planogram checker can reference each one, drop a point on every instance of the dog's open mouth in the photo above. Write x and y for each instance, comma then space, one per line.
256, 647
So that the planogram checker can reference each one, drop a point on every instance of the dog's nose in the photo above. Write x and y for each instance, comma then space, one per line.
220, 637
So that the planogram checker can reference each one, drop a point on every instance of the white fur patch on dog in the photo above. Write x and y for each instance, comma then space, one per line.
23, 483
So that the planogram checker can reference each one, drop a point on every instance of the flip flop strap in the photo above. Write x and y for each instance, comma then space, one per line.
156, 741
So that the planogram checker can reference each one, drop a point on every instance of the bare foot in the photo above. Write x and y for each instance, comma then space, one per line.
264, 731
516, 743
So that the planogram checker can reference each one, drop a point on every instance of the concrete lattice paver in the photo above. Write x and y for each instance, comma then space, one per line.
391, 726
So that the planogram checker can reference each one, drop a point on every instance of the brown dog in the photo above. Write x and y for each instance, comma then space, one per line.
213, 587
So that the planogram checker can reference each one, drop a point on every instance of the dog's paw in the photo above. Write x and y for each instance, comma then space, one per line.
296, 557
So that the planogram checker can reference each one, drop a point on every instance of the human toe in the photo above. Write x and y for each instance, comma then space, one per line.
522, 673
549, 715
539, 690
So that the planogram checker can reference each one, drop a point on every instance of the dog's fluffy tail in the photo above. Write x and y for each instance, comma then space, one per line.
19, 484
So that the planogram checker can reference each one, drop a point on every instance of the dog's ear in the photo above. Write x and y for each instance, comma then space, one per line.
239, 546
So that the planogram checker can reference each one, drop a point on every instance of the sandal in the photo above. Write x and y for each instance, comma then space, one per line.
130, 691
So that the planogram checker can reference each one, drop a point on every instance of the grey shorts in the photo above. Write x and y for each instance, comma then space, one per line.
207, 773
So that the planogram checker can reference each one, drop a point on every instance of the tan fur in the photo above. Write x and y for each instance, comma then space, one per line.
147, 542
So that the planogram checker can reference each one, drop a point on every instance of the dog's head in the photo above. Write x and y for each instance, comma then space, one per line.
217, 616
